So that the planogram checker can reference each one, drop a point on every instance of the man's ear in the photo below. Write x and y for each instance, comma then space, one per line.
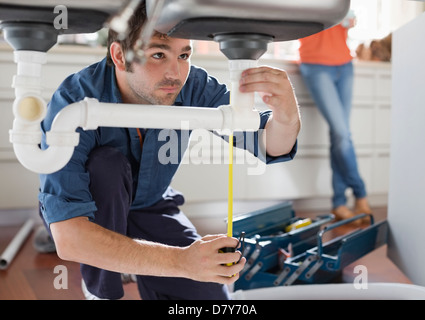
117, 56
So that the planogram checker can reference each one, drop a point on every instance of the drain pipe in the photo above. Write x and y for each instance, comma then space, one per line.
90, 114
245, 116
29, 109
243, 52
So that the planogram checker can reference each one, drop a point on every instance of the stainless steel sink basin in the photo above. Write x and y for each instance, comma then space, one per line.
239, 25
83, 16
29, 24
280, 19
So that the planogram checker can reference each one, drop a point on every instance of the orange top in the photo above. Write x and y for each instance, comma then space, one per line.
328, 47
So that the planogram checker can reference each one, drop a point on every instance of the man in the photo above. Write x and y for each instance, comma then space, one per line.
111, 208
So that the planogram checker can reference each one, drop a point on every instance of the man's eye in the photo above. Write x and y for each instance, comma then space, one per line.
158, 55
184, 56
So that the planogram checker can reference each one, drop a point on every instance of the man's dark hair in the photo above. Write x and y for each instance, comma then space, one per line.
135, 25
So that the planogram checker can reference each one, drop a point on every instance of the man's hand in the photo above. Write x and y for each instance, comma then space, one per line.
276, 90
80, 240
203, 262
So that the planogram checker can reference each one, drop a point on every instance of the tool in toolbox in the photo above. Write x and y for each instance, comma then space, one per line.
282, 249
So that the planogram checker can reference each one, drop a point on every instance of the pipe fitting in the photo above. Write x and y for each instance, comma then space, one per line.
244, 115
242, 102
233, 120
29, 109
61, 139
67, 121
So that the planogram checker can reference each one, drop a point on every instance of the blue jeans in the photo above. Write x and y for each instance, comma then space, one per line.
331, 88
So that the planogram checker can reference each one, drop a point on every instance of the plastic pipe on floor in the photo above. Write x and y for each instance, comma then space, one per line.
16, 243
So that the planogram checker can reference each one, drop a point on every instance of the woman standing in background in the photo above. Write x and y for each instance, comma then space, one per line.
327, 70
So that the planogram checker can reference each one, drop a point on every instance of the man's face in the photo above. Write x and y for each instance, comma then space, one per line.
161, 77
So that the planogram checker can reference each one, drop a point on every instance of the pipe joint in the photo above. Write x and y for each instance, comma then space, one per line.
234, 120
17, 136
62, 139
26, 84
30, 57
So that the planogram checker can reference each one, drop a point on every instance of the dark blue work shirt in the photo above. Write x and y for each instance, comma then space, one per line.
65, 194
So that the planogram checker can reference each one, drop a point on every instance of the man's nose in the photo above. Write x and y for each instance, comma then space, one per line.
173, 70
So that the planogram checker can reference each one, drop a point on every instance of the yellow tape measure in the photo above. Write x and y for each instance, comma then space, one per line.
230, 189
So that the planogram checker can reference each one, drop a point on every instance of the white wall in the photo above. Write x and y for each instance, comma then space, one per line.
308, 176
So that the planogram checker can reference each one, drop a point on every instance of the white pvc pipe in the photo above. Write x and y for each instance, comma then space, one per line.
240, 100
152, 116
89, 114
28, 77
16, 243
242, 103
62, 139
43, 161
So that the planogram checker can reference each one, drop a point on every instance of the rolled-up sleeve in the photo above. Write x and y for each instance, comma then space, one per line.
65, 194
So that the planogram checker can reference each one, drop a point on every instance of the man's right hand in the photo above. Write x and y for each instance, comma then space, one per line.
202, 260
83, 241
